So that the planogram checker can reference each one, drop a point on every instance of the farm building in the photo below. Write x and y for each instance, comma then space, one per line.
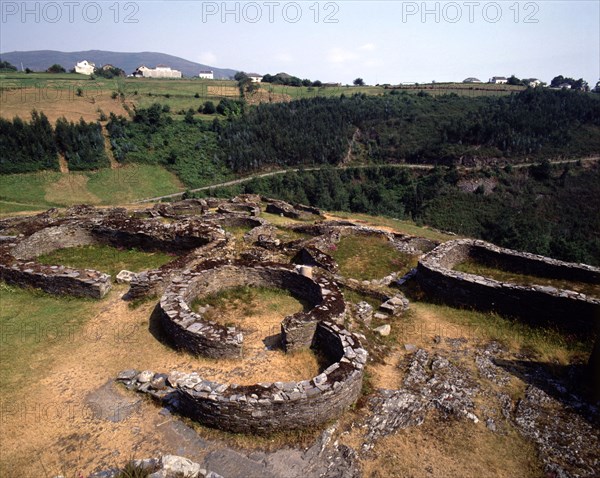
161, 71
255, 77
498, 80
207, 75
471, 79
85, 67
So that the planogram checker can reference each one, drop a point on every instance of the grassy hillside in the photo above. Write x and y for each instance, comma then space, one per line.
74, 96
36, 191
57, 94
434, 89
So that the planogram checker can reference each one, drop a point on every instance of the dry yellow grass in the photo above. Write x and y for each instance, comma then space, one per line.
114, 337
456, 449
71, 188
56, 103
258, 313
229, 91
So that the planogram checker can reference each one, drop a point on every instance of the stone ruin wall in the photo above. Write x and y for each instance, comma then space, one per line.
18, 266
266, 407
189, 330
17, 254
536, 304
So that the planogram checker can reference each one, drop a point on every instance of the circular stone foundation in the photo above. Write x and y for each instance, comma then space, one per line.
190, 331
88, 226
263, 407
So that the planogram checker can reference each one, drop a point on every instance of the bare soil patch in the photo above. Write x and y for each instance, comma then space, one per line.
264, 96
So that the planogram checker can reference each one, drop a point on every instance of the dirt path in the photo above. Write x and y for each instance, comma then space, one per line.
108, 148
348, 158
62, 163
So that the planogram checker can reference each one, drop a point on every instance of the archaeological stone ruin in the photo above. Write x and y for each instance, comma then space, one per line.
219, 244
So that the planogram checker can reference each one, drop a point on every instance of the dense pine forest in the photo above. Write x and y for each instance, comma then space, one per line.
535, 123
391, 128
35, 145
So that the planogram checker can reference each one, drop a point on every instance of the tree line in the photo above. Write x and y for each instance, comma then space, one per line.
188, 148
548, 210
29, 146
398, 127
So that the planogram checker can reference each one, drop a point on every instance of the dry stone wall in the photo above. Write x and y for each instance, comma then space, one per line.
297, 211
537, 304
266, 407
250, 209
58, 280
84, 225
190, 331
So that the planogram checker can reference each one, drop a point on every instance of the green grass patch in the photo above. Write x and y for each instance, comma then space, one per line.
31, 322
370, 257
287, 235
8, 207
248, 301
301, 92
106, 259
42, 190
237, 231
545, 344
25, 190
132, 182
496, 272
278, 220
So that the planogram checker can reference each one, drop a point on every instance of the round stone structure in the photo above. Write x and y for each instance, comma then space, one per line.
186, 238
264, 407
190, 331
567, 310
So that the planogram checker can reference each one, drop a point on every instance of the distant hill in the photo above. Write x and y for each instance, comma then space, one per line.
40, 60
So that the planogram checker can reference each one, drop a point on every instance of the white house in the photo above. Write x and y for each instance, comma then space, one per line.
85, 67
498, 80
207, 75
534, 82
255, 77
471, 80
161, 71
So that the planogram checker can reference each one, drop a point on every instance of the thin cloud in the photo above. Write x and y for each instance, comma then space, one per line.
207, 57
340, 55
374, 62
367, 47
285, 57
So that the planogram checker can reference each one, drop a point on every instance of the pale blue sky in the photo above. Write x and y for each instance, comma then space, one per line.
380, 41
